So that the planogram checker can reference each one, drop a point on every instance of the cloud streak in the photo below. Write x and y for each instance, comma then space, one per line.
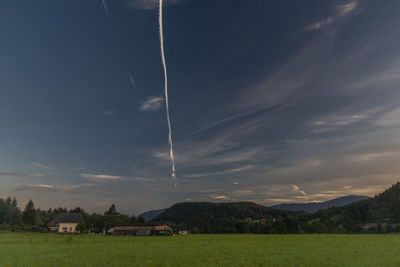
341, 10
100, 176
21, 175
106, 8
152, 104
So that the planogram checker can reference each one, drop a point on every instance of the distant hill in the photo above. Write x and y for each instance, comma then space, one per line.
150, 215
332, 217
384, 207
220, 217
314, 207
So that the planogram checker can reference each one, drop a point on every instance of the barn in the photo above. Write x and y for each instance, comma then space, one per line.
142, 229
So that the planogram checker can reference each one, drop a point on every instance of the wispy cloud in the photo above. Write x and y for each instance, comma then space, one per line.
108, 112
297, 189
106, 177
152, 104
42, 166
148, 4
220, 197
106, 8
52, 188
334, 123
21, 175
80, 168
99, 176
321, 23
390, 119
228, 171
341, 10
141, 179
347, 8
36, 187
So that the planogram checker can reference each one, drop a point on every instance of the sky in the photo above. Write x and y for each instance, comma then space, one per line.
270, 101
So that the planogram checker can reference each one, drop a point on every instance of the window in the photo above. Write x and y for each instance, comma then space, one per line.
65, 229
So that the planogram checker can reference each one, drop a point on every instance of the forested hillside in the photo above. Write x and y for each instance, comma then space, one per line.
242, 217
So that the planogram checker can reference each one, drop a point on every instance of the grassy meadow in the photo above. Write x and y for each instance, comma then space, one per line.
199, 250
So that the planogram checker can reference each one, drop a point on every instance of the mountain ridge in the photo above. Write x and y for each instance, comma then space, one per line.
316, 206
151, 214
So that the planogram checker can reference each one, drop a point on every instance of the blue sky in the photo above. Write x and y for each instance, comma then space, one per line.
270, 101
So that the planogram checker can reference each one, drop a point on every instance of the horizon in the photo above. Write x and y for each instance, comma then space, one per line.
270, 102
21, 207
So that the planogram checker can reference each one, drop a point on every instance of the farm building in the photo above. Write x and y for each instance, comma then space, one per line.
182, 231
65, 223
141, 229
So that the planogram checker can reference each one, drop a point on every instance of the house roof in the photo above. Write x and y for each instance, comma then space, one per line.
52, 223
67, 218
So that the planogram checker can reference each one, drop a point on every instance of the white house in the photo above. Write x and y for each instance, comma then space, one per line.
66, 223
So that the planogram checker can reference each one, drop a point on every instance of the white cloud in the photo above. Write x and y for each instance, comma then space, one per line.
347, 8
161, 155
151, 104
100, 176
148, 4
297, 189
240, 169
319, 24
42, 186
342, 10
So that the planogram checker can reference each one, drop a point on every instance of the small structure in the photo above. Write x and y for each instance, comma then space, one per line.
182, 231
141, 229
369, 226
66, 223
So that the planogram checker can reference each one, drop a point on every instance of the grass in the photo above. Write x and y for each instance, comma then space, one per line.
199, 250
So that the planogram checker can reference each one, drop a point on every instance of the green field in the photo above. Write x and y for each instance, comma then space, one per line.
199, 250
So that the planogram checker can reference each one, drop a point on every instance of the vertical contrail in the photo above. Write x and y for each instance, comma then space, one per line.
171, 150
132, 81
106, 8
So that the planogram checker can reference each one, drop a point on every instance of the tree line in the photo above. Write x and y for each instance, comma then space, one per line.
32, 219
241, 217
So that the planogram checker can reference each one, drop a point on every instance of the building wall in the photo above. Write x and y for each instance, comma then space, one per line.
141, 228
134, 229
67, 228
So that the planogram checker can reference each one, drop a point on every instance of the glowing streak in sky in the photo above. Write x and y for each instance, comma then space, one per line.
171, 150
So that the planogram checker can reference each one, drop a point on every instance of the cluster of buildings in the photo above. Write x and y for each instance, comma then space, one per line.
67, 223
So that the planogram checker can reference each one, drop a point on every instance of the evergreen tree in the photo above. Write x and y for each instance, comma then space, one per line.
29, 215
